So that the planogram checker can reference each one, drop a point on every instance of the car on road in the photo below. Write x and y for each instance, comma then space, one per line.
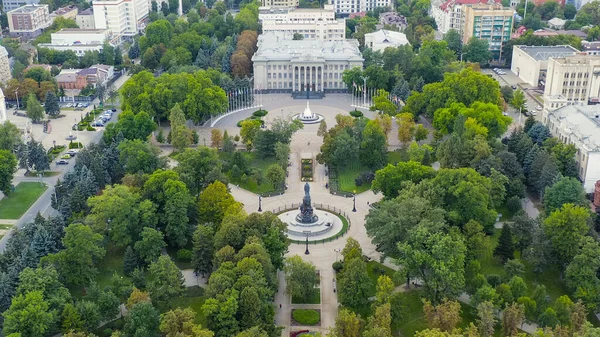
65, 156
98, 122
538, 108
62, 162
72, 152
113, 110
514, 87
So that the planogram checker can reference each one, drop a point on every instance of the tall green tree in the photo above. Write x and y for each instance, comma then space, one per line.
477, 51
178, 203
565, 191
300, 277
181, 135
354, 284
28, 315
165, 282
347, 324
389, 179
505, 249
203, 250
566, 228
51, 104
373, 148
581, 275
214, 201
150, 245
8, 167
142, 320
35, 111
10, 136
139, 156
276, 175
220, 313
198, 168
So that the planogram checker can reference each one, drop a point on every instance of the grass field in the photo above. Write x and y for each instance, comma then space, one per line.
254, 162
347, 176
315, 298
112, 262
194, 299
19, 201
2, 226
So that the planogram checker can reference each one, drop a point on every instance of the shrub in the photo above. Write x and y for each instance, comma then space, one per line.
75, 145
356, 113
306, 316
160, 137
260, 113
337, 266
494, 280
364, 178
513, 204
184, 255
89, 128
236, 138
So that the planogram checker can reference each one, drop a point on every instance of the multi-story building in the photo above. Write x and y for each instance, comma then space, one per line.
449, 14
573, 79
493, 23
530, 63
280, 3
9, 5
80, 78
580, 126
68, 12
85, 19
285, 65
125, 18
311, 23
592, 48
4, 66
346, 7
28, 21
78, 40
382, 39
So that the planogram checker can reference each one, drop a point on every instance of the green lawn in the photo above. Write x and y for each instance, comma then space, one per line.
112, 262
259, 164
397, 156
19, 201
376, 269
2, 226
194, 299
347, 176
315, 298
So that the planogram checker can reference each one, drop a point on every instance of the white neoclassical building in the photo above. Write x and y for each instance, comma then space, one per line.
4, 66
285, 65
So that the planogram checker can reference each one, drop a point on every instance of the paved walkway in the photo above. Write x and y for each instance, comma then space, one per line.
321, 255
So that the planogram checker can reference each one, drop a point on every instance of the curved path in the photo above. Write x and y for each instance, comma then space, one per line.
321, 255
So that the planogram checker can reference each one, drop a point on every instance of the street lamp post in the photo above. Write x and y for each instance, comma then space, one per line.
306, 252
17, 94
354, 202
260, 203
336, 250
365, 91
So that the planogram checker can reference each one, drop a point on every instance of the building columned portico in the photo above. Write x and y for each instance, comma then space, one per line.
285, 65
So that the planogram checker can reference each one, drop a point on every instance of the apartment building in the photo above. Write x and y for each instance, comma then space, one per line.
573, 79
280, 3
28, 21
493, 23
85, 19
67, 12
124, 18
311, 23
346, 7
78, 40
449, 14
530, 63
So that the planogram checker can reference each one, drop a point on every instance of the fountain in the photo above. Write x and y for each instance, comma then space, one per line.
310, 223
308, 117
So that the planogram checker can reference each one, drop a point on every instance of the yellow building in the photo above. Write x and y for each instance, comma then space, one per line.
489, 22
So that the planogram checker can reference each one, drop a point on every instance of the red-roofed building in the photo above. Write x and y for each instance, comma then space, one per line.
448, 14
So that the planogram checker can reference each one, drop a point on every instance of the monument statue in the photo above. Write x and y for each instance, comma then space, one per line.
306, 211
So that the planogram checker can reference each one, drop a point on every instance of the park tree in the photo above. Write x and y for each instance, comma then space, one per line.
89, 313
35, 111
347, 324
198, 168
453, 38
380, 324
505, 249
47, 281
165, 282
181, 135
179, 201
214, 201
250, 128
373, 148
518, 100
444, 316
384, 290
216, 138
383, 104
406, 127
150, 245
300, 277
581, 275
137, 296
51, 104
83, 249
354, 284
131, 126
512, 319
477, 51
486, 319
28, 315
445, 277
389, 179
180, 322
10, 136
130, 261
276, 175
566, 228
203, 249
32, 155
390, 223
8, 166
70, 319
565, 191
220, 312
139, 156
142, 320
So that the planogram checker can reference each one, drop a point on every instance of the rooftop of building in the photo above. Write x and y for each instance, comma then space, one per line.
388, 36
594, 45
81, 31
64, 10
277, 45
551, 32
3, 52
27, 9
445, 6
89, 11
578, 58
557, 22
581, 122
391, 18
541, 53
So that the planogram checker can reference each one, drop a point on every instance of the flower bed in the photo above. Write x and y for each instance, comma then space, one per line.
306, 170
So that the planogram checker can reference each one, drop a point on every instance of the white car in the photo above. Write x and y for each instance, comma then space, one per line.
539, 108
504, 113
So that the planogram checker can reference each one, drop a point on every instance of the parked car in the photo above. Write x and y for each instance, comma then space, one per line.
538, 108
98, 122
514, 87
72, 152
113, 110
62, 162
66, 156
